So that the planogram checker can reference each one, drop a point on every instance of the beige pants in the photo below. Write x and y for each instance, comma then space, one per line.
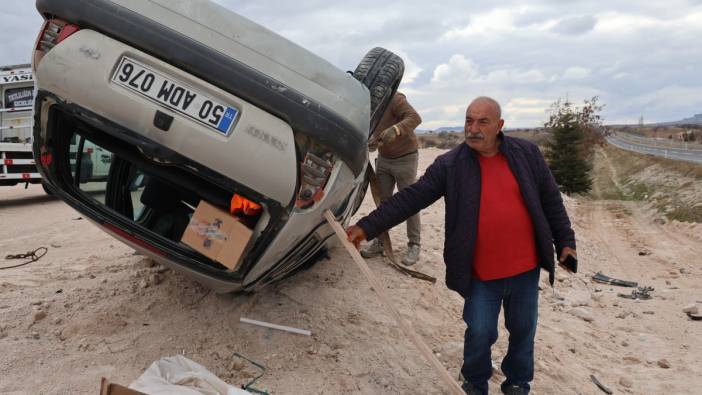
403, 172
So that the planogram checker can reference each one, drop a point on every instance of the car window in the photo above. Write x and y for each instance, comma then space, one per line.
115, 182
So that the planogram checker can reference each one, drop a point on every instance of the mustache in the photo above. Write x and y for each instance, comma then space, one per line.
475, 136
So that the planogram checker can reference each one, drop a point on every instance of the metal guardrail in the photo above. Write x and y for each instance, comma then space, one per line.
694, 156
659, 142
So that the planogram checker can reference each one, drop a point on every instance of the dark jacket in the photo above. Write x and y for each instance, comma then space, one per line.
402, 114
455, 176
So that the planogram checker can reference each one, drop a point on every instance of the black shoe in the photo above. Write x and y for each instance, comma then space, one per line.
470, 389
514, 390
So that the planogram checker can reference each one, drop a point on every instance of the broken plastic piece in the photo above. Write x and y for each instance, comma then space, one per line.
242, 205
643, 293
274, 326
601, 278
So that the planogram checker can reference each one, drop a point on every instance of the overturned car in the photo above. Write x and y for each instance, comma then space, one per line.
225, 142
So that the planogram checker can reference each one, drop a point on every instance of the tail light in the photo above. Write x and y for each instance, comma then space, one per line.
315, 172
46, 159
52, 33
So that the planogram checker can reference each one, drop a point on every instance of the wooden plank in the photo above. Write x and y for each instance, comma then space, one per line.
385, 237
405, 326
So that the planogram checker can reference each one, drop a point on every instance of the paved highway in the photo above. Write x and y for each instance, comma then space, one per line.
649, 146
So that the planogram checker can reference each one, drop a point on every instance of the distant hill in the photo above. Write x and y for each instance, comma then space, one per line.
452, 129
441, 129
446, 138
694, 120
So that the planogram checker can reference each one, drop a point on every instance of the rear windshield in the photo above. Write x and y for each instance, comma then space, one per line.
18, 97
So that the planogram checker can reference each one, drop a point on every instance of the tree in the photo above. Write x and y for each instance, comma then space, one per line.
574, 133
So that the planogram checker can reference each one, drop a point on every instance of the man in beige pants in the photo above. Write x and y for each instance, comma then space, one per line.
397, 164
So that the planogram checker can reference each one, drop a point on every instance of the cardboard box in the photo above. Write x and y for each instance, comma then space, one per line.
217, 235
107, 388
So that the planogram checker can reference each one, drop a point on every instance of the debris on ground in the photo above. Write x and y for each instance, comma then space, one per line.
663, 363
691, 309
600, 385
33, 256
180, 376
274, 326
604, 279
641, 293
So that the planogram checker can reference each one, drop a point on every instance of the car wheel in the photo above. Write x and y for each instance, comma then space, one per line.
381, 71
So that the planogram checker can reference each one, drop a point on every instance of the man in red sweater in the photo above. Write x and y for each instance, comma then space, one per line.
504, 215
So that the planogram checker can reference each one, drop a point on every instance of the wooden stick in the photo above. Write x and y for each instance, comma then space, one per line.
380, 291
385, 237
274, 326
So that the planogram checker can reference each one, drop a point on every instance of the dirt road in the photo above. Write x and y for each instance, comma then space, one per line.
92, 308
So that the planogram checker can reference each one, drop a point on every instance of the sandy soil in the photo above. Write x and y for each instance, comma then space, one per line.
91, 308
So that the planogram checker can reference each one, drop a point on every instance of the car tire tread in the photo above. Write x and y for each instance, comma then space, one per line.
380, 71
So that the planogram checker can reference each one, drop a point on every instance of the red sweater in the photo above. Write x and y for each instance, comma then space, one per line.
505, 244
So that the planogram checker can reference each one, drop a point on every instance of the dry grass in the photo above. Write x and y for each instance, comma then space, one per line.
672, 187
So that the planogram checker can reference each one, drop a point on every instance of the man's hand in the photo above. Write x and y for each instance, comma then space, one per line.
564, 254
388, 135
372, 145
355, 234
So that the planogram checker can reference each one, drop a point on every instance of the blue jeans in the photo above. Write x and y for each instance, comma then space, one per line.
520, 297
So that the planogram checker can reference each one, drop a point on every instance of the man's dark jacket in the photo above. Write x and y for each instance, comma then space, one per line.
455, 176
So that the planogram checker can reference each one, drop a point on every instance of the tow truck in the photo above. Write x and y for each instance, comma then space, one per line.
16, 100
16, 126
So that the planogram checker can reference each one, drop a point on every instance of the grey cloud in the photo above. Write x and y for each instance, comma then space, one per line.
575, 25
341, 32
530, 18
410, 28
19, 27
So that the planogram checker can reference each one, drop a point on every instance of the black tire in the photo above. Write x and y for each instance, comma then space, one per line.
381, 71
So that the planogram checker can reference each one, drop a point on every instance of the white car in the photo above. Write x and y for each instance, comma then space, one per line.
188, 103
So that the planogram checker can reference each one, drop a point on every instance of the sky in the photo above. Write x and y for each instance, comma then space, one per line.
642, 58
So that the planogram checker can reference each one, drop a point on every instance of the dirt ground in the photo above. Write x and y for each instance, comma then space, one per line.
91, 308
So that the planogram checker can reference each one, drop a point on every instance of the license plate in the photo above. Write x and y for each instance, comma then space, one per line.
174, 95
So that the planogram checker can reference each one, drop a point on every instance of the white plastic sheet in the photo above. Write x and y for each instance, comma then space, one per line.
180, 376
